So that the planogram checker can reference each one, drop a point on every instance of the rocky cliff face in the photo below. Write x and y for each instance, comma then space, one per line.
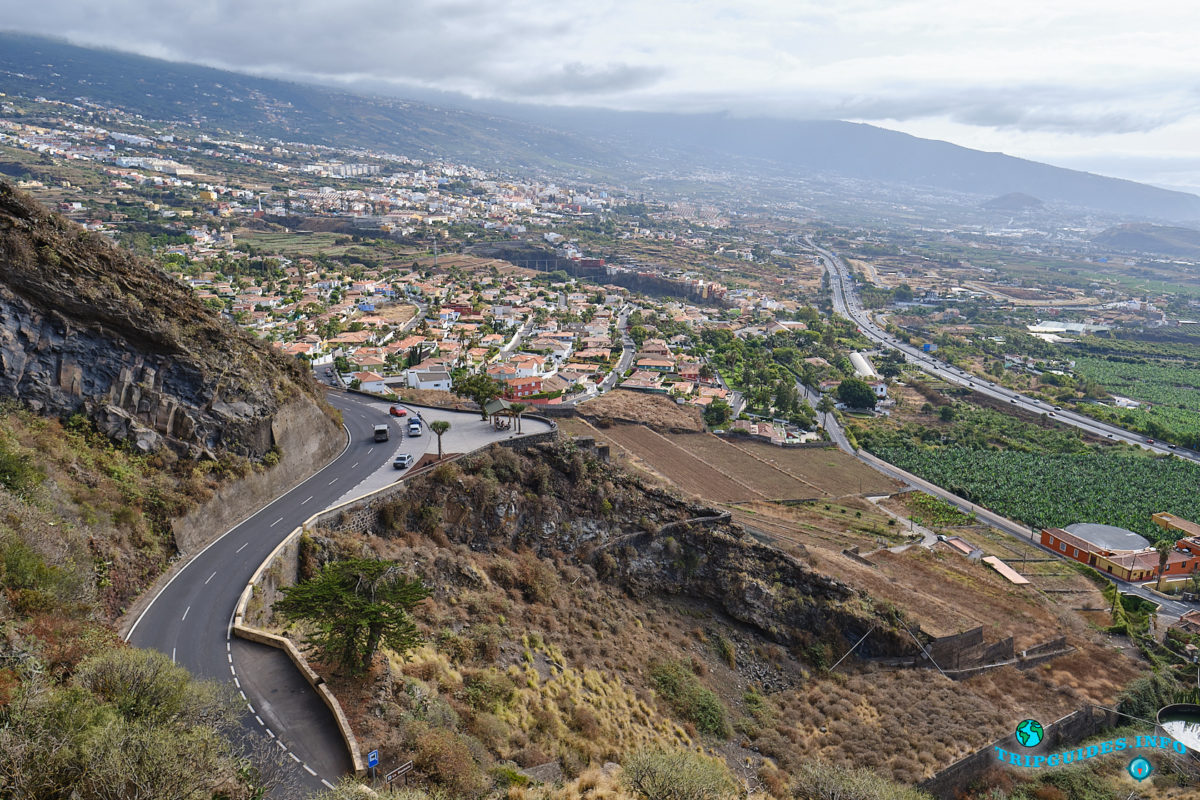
86, 327
557, 498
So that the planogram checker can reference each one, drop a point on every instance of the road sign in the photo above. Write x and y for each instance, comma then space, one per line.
398, 771
373, 759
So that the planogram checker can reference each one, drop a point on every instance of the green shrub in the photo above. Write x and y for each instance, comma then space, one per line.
683, 692
19, 472
725, 651
488, 690
818, 781
676, 775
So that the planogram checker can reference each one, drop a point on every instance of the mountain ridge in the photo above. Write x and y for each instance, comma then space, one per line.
570, 142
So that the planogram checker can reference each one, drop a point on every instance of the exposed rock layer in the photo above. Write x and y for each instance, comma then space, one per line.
86, 327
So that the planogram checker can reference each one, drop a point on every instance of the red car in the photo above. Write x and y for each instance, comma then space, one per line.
397, 411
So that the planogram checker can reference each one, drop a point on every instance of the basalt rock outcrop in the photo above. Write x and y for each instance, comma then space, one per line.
556, 498
85, 327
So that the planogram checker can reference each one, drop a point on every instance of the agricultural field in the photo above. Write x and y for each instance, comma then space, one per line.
680, 467
833, 472
772, 481
1173, 389
657, 411
1057, 489
297, 243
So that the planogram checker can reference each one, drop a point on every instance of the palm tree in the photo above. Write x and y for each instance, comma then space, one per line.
825, 405
1164, 548
439, 426
518, 409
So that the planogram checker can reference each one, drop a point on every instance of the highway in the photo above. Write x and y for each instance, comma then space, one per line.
190, 619
846, 302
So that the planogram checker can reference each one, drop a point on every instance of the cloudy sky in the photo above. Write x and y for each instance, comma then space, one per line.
1113, 87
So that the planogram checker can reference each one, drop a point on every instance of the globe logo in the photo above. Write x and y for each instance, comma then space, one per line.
1140, 769
1029, 733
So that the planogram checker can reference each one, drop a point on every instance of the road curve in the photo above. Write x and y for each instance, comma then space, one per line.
190, 618
846, 302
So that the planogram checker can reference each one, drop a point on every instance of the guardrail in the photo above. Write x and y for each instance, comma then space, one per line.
250, 633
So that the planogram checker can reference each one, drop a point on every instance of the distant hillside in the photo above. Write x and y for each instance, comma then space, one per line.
216, 99
569, 142
1014, 201
1143, 238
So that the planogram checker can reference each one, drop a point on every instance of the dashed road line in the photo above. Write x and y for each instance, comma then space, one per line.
243, 547
309, 770
332, 482
276, 522
305, 500
260, 722
172, 655
210, 577
185, 613
327, 783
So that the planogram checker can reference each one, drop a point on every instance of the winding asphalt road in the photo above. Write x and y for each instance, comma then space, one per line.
191, 617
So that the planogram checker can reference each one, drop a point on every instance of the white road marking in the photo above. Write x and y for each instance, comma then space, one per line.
276, 522
294, 757
327, 783
238, 685
305, 500
192, 559
270, 733
332, 482
172, 655
210, 577
230, 657
355, 464
243, 694
185, 613
282, 746
310, 770
260, 722
232, 671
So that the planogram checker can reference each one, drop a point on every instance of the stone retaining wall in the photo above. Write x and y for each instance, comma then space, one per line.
1059, 735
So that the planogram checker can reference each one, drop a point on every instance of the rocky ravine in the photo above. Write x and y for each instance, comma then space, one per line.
559, 498
86, 327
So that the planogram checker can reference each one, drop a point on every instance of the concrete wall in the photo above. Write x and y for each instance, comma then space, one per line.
1060, 734
307, 440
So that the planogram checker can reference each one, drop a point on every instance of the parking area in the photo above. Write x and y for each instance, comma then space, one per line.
467, 432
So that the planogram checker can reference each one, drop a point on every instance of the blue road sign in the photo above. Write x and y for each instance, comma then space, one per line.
373, 759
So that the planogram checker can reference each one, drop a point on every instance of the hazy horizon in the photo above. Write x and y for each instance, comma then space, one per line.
1096, 86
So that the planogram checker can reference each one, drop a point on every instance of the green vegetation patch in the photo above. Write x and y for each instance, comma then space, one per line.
1052, 490
678, 685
